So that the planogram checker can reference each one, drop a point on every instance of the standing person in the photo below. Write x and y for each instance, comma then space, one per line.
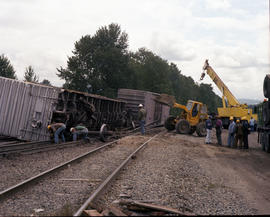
142, 117
251, 124
79, 130
218, 130
57, 129
238, 134
231, 132
245, 132
208, 125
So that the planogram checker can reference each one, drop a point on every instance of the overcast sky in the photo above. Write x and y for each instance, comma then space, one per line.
232, 34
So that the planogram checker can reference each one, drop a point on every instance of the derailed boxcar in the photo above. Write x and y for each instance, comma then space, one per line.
157, 113
26, 109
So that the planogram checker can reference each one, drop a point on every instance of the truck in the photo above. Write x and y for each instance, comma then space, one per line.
231, 107
191, 118
263, 110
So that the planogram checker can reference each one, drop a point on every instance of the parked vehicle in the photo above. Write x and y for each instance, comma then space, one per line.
191, 119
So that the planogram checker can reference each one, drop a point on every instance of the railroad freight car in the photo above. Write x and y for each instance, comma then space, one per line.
157, 113
27, 108
263, 110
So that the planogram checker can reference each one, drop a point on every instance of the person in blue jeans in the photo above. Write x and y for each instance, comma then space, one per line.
142, 117
208, 126
57, 129
231, 133
79, 130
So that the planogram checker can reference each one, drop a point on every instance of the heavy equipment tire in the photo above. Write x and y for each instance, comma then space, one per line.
201, 129
170, 123
266, 86
182, 126
266, 113
192, 130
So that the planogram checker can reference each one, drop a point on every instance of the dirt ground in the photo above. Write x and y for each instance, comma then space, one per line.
245, 171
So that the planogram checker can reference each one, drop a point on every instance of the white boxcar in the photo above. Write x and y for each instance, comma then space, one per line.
26, 109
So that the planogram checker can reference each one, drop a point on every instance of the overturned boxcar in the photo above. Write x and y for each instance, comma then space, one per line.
27, 108
157, 113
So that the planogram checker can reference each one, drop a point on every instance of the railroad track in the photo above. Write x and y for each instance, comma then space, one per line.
10, 146
13, 190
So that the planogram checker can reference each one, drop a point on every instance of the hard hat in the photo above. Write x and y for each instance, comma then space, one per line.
231, 118
237, 121
140, 105
72, 129
244, 118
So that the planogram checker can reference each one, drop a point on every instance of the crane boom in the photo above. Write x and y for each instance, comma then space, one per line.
233, 108
226, 93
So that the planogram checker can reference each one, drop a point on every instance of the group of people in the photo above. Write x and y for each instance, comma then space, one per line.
58, 130
237, 132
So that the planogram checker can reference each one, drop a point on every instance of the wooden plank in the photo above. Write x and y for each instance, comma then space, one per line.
87, 180
92, 212
116, 211
141, 205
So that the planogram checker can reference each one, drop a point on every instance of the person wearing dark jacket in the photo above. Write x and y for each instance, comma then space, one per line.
238, 134
208, 125
245, 132
218, 130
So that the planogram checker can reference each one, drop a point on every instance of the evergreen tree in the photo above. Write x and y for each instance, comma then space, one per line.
30, 75
6, 69
100, 61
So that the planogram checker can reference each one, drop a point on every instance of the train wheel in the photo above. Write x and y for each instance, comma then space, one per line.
103, 132
201, 129
182, 127
170, 123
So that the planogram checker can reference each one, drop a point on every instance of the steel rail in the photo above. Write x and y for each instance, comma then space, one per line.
34, 178
110, 178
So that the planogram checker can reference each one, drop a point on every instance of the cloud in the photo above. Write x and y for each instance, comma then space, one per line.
233, 35
218, 4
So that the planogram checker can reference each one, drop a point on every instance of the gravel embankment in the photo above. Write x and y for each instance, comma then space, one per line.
63, 192
16, 168
167, 173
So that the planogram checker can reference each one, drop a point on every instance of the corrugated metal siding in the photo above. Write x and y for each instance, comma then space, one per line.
156, 112
23, 103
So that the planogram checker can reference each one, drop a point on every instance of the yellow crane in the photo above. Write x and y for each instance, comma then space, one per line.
231, 106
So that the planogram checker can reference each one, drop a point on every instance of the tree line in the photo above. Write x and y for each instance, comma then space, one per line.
102, 63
